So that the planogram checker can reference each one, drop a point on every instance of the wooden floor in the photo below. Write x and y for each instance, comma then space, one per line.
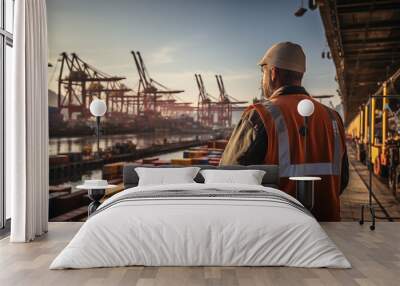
375, 256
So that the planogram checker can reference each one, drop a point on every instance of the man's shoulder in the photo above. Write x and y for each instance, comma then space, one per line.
251, 115
255, 107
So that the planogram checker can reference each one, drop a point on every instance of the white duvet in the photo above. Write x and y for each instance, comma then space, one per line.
200, 231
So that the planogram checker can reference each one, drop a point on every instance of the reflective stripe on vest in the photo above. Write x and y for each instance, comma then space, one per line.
286, 169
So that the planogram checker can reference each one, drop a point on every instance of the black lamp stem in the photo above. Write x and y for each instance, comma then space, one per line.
305, 138
98, 135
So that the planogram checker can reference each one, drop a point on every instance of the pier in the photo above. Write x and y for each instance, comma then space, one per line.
356, 193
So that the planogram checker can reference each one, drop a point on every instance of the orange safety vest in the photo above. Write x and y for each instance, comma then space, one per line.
325, 148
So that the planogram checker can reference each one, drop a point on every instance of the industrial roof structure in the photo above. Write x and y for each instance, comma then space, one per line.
364, 39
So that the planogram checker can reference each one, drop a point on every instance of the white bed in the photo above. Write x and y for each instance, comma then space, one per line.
202, 231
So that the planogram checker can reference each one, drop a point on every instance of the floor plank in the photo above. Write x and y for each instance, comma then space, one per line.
375, 256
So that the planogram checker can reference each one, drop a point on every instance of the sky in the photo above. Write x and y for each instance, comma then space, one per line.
179, 38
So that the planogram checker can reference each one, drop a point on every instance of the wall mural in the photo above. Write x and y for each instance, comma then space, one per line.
175, 77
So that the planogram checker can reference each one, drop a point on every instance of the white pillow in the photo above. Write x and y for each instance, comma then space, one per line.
249, 177
166, 176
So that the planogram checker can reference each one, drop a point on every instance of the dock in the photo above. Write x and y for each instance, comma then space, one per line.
356, 193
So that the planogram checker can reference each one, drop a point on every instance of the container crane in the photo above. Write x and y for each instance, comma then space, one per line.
152, 96
225, 104
205, 104
79, 82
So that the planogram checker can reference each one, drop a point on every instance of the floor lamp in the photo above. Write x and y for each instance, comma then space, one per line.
98, 108
305, 108
305, 184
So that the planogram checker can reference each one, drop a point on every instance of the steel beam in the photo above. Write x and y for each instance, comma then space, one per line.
373, 26
372, 41
366, 6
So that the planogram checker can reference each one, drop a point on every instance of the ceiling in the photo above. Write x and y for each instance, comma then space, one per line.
364, 39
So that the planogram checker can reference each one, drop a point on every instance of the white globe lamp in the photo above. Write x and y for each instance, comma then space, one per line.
98, 108
305, 108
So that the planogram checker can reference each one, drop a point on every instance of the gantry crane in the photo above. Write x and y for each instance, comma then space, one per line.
79, 82
121, 105
206, 104
225, 104
152, 97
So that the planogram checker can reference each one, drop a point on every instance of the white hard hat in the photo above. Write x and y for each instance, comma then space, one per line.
285, 55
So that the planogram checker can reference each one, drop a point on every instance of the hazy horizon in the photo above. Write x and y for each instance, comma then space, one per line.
180, 38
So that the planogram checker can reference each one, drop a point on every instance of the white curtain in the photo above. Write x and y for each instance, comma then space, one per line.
27, 124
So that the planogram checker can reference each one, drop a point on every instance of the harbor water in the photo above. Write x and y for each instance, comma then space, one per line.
77, 144
144, 140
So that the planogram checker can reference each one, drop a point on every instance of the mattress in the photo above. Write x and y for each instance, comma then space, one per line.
201, 225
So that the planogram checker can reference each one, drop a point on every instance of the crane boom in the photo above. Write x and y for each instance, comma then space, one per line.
143, 68
138, 67
154, 98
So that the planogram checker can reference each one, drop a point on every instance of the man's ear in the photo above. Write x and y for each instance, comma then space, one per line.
274, 73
